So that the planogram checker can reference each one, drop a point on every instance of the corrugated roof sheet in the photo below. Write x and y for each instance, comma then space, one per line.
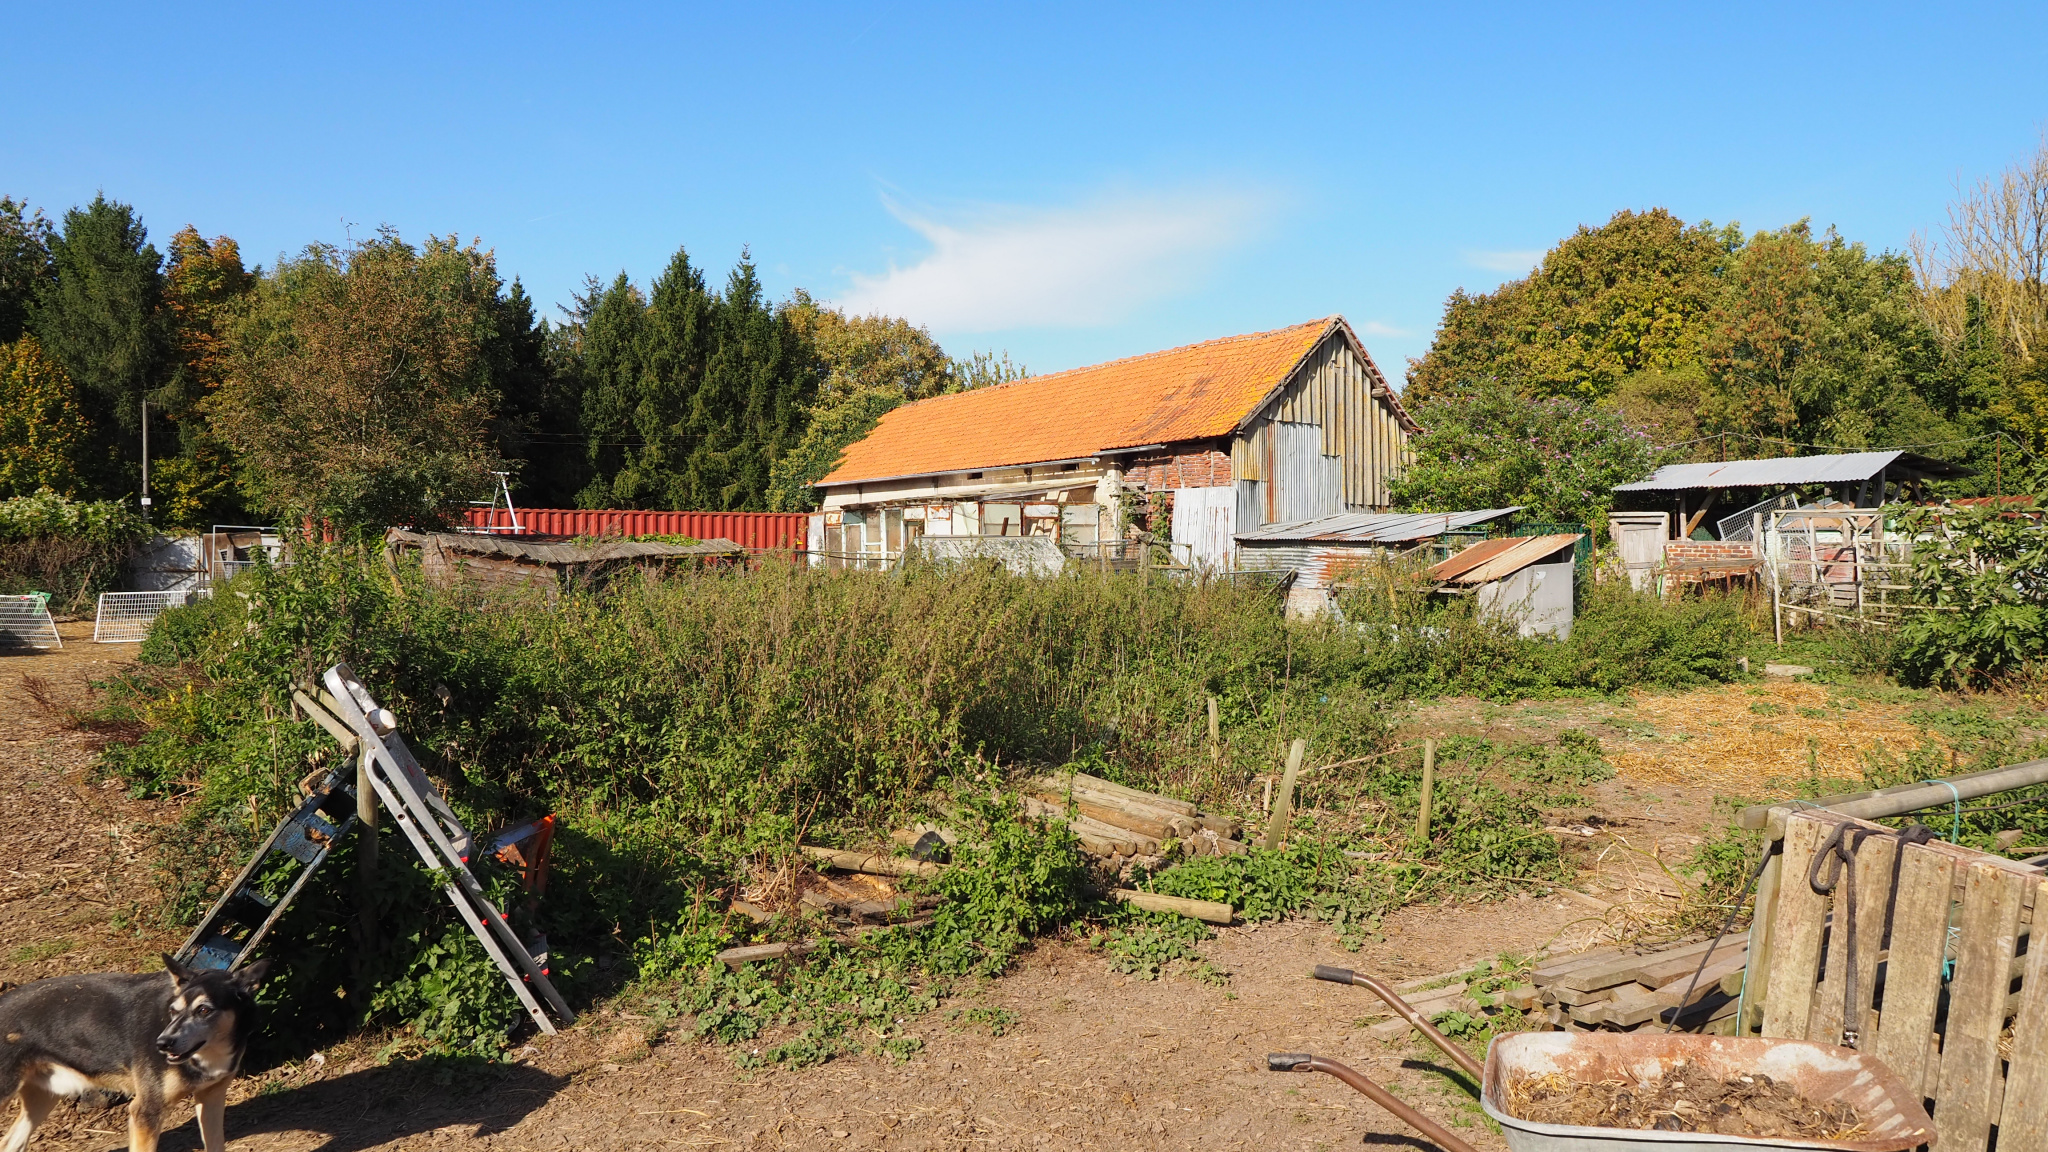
1490, 560
1372, 527
1840, 468
1191, 393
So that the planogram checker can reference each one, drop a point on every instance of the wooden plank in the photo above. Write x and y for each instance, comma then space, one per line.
1875, 862
1626, 969
1573, 997
1718, 969
1795, 963
2023, 1125
1912, 982
1678, 967
1762, 919
1873, 887
1970, 1061
1552, 969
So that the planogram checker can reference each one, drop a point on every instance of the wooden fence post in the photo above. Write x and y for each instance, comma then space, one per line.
1215, 734
1283, 809
1428, 789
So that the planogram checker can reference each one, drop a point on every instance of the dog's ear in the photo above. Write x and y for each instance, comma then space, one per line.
252, 975
179, 973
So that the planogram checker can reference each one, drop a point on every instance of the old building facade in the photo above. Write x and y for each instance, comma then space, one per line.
1204, 441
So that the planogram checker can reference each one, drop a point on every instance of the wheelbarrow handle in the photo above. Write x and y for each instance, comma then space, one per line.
1402, 1008
1303, 1062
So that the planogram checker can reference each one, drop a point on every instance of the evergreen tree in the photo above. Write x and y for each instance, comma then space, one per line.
690, 397
538, 424
24, 264
100, 317
610, 327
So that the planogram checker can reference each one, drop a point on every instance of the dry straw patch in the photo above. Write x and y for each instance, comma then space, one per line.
1719, 738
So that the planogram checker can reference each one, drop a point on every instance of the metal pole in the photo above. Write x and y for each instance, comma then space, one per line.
145, 461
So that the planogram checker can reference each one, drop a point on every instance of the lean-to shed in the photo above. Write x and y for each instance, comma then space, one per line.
1218, 437
1525, 579
501, 564
1316, 553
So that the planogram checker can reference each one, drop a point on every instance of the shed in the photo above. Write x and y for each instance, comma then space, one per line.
501, 564
1219, 437
1316, 552
1737, 490
1527, 579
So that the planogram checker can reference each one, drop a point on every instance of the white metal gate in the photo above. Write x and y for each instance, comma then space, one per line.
25, 621
125, 617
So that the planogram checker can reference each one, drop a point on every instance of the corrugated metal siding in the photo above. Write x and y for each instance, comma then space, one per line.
1332, 391
758, 530
1205, 523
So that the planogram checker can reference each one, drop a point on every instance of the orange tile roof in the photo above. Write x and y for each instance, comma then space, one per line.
1191, 393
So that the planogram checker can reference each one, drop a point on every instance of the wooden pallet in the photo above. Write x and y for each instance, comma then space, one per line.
1976, 1048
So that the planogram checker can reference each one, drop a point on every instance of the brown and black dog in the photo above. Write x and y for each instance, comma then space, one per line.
155, 1037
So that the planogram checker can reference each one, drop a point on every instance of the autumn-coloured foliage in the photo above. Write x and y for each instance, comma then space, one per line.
356, 392
42, 432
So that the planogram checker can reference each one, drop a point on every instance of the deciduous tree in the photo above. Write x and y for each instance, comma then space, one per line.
356, 391
44, 438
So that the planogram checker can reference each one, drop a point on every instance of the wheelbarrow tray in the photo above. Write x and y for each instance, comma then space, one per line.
1895, 1118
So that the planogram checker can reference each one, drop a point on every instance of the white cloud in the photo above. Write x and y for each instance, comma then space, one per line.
1006, 267
1514, 260
1375, 328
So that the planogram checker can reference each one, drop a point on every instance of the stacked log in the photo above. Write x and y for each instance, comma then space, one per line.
1622, 989
1112, 820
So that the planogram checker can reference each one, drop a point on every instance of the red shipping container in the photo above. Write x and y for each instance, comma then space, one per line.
760, 531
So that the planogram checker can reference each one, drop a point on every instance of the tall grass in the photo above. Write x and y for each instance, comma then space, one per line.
690, 724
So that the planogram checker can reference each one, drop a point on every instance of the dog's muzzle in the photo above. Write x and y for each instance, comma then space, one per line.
167, 1047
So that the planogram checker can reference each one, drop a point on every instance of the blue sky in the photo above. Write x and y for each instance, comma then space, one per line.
1070, 183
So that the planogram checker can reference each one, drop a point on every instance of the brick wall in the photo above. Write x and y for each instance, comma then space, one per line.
1164, 473
1678, 553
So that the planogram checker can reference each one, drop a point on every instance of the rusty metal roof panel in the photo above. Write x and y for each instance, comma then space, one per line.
1490, 560
1371, 527
1839, 468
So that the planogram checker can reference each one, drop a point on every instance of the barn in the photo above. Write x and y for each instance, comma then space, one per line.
1201, 443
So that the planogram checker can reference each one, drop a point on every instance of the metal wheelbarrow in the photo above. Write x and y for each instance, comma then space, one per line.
1896, 1120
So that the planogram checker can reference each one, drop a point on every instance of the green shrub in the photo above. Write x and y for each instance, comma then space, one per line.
72, 549
1980, 576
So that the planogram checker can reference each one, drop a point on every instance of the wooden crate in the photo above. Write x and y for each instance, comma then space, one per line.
1950, 993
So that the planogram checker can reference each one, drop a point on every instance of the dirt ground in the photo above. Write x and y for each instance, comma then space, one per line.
1093, 1060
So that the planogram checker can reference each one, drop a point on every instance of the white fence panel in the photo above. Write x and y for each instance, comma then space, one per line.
25, 621
125, 617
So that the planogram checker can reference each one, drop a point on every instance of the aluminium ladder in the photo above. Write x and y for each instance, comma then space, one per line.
439, 838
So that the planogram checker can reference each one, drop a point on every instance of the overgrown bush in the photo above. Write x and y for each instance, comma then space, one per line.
1425, 646
1980, 578
690, 729
72, 549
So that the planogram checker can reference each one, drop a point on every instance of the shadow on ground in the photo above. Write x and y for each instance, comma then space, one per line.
384, 1105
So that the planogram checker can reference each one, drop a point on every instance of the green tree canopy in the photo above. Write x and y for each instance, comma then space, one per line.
1762, 346
1606, 303
357, 391
24, 264
99, 316
43, 436
867, 365
689, 396
1491, 445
